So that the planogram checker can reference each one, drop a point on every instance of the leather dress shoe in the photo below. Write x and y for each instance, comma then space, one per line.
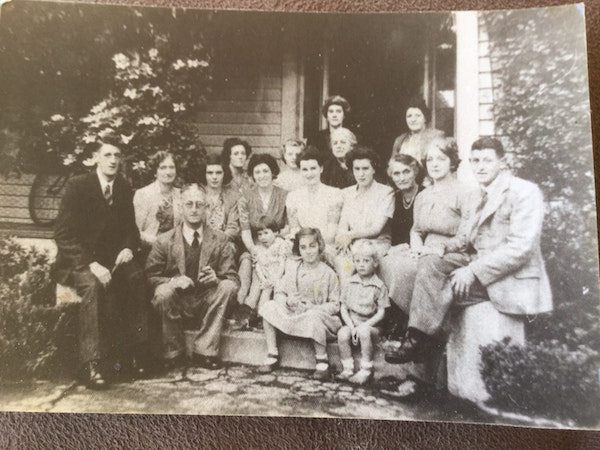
206, 362
91, 377
413, 347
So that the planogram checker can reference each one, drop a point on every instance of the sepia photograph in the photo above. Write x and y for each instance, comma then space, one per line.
366, 216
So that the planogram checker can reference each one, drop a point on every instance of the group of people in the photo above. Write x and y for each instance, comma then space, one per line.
317, 248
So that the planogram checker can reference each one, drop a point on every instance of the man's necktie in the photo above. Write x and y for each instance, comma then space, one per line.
195, 242
108, 194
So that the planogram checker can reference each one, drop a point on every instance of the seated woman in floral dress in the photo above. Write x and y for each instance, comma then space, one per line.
222, 198
158, 205
306, 303
367, 208
235, 155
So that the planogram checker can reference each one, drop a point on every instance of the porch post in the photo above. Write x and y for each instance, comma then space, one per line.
466, 121
292, 91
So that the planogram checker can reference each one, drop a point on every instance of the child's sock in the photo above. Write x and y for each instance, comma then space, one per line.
322, 362
364, 374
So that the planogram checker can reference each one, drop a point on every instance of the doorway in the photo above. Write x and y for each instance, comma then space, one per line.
378, 64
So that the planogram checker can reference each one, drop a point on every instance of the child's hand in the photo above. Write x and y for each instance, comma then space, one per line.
292, 301
266, 284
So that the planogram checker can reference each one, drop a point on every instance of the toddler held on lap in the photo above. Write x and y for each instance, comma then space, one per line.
363, 302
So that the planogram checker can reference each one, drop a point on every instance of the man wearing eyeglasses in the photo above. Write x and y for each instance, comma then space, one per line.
193, 273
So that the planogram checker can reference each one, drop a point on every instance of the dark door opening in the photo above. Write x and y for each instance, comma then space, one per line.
378, 65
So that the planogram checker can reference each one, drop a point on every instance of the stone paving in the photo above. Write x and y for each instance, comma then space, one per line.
235, 390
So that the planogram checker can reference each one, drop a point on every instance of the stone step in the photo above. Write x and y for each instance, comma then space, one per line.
249, 347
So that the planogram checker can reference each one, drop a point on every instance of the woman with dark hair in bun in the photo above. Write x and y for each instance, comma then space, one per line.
415, 141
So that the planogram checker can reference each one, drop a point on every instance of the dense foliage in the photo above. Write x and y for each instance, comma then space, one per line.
34, 334
542, 112
76, 72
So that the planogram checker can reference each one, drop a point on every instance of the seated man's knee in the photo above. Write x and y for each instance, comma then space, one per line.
163, 295
228, 286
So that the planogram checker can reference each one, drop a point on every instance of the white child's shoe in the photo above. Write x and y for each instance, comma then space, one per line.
364, 375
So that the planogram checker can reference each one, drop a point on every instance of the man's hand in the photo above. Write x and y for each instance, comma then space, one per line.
207, 276
182, 282
461, 281
123, 257
101, 272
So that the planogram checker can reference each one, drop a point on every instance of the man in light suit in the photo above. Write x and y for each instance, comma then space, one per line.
97, 241
494, 257
193, 273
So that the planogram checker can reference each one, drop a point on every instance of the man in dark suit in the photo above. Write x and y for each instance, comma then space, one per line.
97, 238
192, 270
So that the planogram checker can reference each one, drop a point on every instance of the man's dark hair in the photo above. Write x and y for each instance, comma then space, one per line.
489, 142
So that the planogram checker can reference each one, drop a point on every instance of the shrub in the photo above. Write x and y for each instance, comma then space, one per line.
545, 379
33, 333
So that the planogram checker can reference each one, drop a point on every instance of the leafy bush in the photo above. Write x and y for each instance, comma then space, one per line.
152, 95
33, 332
546, 379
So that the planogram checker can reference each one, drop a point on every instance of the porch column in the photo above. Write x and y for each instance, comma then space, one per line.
292, 90
466, 120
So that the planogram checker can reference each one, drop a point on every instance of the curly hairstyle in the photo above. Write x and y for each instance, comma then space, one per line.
336, 100
409, 161
361, 152
229, 144
158, 158
263, 158
449, 148
215, 160
303, 232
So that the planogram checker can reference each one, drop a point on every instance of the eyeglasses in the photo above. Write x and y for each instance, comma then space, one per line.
197, 205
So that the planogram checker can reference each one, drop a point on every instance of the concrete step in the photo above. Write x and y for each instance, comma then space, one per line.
249, 347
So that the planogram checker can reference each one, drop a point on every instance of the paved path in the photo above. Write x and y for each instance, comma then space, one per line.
236, 390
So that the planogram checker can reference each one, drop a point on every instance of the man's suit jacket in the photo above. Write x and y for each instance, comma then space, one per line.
82, 219
505, 238
167, 257
146, 202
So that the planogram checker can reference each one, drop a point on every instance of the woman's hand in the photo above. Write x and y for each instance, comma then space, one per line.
342, 242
